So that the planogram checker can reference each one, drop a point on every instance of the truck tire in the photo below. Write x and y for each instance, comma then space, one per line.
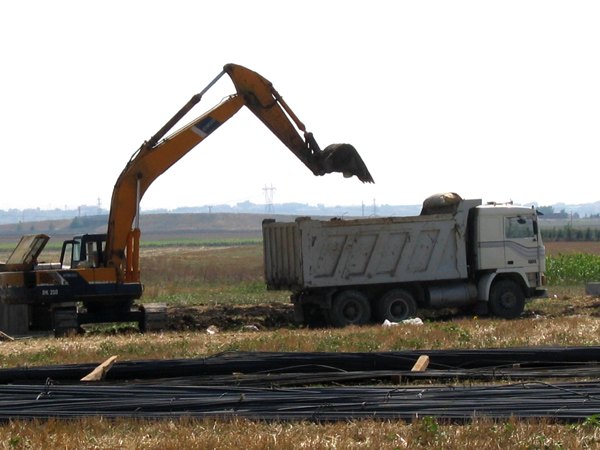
396, 305
350, 307
507, 299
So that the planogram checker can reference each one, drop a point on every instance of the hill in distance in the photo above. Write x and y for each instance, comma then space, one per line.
208, 222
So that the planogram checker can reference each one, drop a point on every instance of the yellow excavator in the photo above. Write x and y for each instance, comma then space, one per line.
101, 271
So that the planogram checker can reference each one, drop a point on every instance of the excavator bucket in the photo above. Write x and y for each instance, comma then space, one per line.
344, 158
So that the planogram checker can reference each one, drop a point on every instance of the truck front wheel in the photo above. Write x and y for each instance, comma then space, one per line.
507, 299
350, 308
396, 305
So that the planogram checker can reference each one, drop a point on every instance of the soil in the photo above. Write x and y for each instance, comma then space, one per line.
230, 317
281, 315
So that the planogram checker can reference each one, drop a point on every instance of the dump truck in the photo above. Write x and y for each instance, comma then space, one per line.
98, 279
456, 253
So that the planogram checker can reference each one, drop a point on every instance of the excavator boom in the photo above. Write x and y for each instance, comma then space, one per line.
156, 155
97, 279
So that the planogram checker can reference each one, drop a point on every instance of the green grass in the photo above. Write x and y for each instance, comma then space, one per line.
209, 276
189, 242
240, 293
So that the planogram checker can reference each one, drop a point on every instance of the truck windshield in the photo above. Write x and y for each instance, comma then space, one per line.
518, 227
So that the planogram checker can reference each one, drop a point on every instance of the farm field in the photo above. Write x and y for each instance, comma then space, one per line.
564, 247
222, 287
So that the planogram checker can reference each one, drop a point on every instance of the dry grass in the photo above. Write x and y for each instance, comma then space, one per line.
551, 328
462, 333
567, 318
243, 434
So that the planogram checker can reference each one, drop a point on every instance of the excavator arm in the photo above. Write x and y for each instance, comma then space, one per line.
265, 102
157, 155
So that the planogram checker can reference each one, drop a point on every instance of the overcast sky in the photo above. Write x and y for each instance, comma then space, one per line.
496, 100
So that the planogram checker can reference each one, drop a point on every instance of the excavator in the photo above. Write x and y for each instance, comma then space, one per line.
98, 277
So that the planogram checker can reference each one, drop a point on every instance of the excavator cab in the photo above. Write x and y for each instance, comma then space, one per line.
85, 251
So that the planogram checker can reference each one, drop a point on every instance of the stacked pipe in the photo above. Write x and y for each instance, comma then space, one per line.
256, 386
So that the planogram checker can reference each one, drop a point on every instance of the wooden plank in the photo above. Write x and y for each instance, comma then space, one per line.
421, 364
100, 372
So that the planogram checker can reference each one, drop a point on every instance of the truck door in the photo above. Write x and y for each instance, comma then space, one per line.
521, 242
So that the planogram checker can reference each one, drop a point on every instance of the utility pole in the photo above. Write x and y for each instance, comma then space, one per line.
269, 209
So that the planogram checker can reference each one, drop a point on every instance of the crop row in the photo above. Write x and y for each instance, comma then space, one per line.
571, 269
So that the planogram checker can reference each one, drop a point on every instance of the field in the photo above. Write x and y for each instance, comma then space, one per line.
567, 248
222, 286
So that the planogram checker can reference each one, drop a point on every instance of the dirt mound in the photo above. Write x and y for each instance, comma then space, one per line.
230, 317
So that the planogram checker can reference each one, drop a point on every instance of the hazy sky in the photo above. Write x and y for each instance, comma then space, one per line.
496, 100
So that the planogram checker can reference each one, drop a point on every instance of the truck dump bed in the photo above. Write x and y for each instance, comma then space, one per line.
313, 253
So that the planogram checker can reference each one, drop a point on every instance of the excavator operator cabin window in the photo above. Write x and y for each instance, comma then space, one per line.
76, 252
91, 254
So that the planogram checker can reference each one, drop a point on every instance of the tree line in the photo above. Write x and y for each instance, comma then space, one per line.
569, 233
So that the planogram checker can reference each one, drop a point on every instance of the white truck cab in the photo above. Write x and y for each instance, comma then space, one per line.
508, 239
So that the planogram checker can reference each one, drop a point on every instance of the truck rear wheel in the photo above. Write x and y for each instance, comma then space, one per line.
507, 299
350, 308
396, 305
